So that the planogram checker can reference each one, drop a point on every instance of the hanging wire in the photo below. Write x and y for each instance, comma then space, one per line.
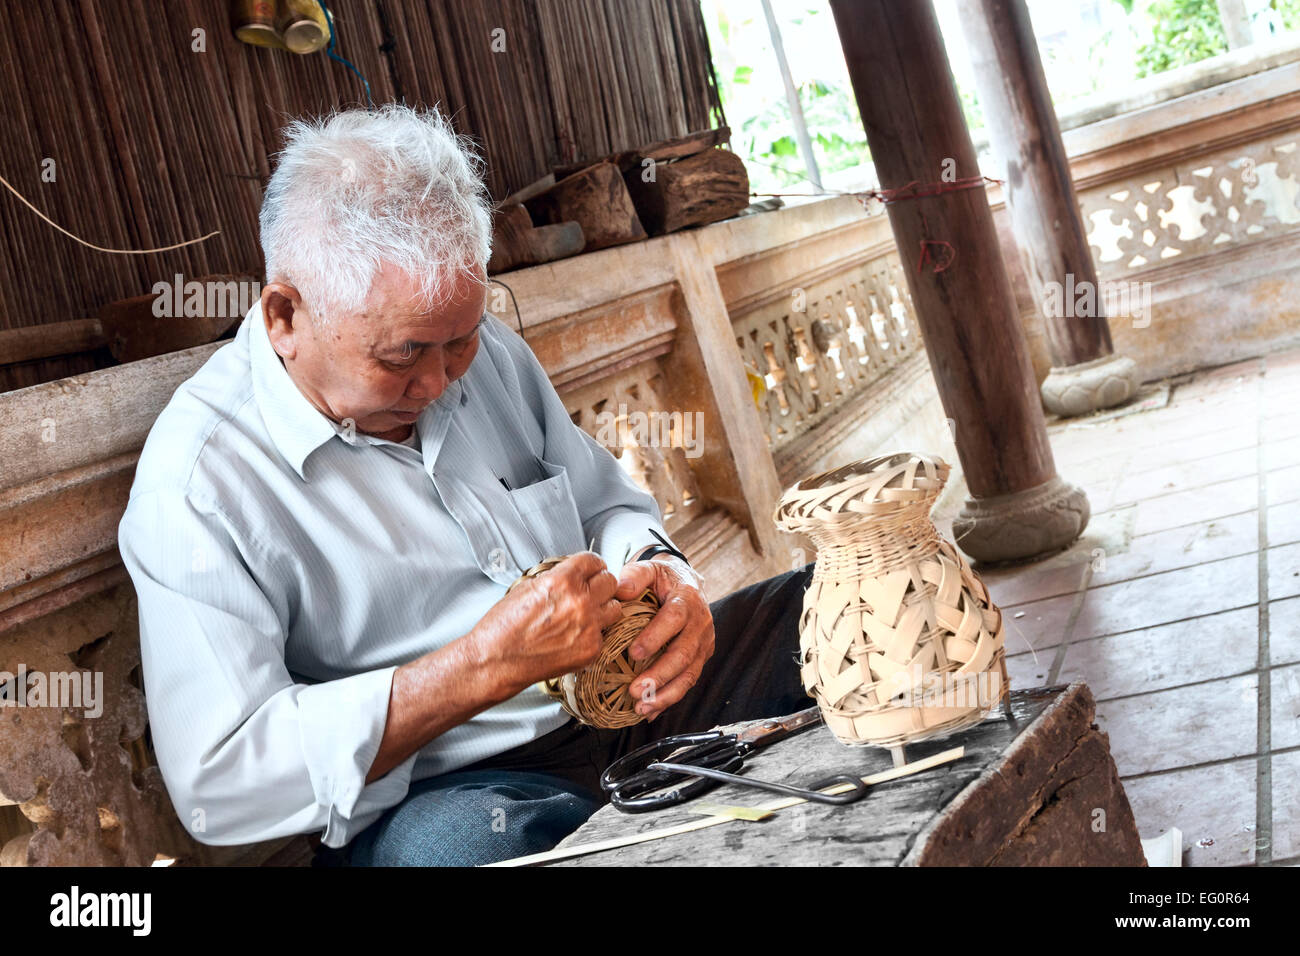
90, 245
519, 319
329, 51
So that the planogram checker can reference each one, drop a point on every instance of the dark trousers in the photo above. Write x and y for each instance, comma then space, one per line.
547, 787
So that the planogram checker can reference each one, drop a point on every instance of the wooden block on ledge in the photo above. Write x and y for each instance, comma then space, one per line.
660, 151
596, 198
691, 191
517, 242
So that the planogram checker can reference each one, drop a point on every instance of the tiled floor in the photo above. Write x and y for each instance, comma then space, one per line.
1180, 606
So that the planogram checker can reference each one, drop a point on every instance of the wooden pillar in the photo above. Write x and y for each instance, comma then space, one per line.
1086, 375
1019, 507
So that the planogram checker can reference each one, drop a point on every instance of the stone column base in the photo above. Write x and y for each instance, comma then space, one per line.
1025, 524
1090, 386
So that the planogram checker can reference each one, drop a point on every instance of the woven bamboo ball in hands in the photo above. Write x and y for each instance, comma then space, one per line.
598, 694
899, 640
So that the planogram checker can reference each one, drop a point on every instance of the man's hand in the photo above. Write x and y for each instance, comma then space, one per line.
683, 624
546, 627
549, 625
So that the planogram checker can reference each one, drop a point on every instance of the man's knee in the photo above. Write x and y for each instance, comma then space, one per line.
474, 818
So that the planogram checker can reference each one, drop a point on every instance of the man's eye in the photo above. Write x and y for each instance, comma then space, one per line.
460, 345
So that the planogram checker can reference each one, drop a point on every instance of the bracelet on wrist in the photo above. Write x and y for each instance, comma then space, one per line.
662, 548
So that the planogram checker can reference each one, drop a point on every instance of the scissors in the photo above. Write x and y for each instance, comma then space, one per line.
711, 758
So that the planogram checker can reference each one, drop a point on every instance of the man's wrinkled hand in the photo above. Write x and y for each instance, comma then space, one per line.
550, 625
683, 626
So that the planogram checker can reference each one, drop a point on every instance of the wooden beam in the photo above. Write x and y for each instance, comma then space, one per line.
30, 342
963, 299
737, 470
1044, 210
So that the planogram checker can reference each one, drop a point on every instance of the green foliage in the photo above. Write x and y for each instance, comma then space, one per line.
831, 115
1184, 31
783, 147
753, 94
970, 107
1288, 11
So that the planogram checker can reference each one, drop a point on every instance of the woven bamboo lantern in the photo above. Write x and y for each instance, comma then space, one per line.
598, 694
899, 640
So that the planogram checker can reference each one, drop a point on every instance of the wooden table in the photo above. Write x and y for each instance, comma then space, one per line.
1036, 788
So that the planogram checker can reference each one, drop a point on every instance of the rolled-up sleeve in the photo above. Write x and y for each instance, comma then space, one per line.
614, 510
247, 753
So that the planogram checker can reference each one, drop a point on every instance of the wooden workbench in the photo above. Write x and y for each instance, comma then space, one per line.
1038, 788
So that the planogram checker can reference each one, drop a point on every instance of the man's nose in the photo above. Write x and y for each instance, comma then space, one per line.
430, 380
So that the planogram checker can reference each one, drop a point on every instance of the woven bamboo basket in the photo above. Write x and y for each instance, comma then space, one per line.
598, 694
899, 640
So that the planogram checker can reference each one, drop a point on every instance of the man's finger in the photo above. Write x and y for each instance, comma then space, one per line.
672, 692
582, 565
602, 587
635, 578
680, 654
611, 612
667, 623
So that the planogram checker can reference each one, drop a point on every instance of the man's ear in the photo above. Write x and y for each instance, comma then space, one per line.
281, 306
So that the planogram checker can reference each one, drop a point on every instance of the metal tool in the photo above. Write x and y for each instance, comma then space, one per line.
640, 780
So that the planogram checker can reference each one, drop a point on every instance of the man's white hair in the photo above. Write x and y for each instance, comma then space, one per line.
363, 187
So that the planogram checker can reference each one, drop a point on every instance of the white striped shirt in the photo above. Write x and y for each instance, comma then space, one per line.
285, 567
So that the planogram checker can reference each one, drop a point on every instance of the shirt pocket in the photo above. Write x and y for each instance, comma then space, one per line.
548, 514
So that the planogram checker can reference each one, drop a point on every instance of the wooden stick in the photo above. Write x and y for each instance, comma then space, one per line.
31, 342
564, 853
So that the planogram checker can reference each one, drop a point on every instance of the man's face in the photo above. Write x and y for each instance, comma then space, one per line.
384, 365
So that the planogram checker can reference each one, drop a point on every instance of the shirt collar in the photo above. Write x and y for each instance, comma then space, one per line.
296, 426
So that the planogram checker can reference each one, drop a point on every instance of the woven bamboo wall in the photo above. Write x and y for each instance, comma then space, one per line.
154, 143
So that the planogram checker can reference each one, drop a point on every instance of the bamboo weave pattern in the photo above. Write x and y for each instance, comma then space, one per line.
598, 694
899, 640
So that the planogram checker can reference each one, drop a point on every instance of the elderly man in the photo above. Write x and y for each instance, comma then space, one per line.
326, 516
